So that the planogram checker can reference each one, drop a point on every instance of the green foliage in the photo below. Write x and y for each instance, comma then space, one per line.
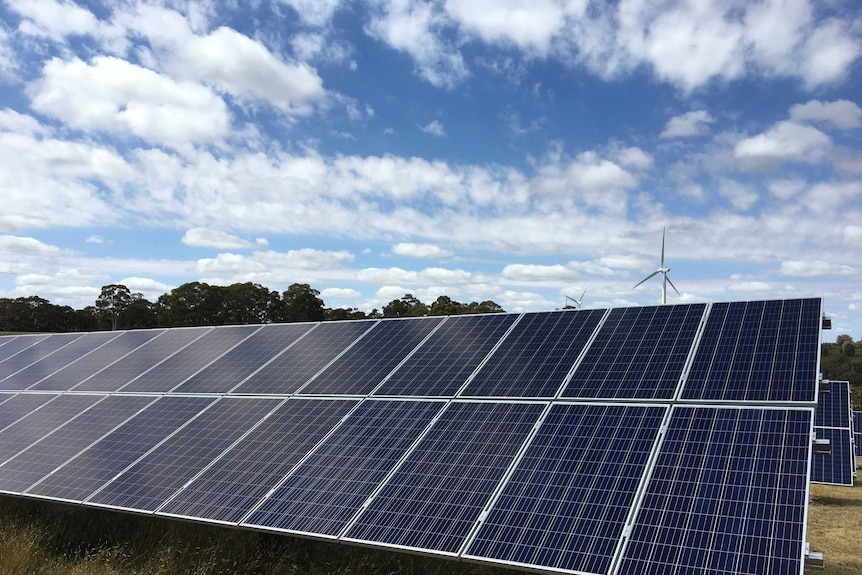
300, 303
33, 313
840, 362
407, 306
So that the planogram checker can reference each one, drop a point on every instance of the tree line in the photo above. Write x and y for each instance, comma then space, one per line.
198, 303
842, 361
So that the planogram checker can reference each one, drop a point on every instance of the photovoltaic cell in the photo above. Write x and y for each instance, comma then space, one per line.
324, 492
444, 362
290, 370
38, 423
536, 356
59, 359
435, 497
54, 449
758, 351
857, 432
198, 354
5, 396
152, 480
33, 354
838, 467
833, 407
87, 365
727, 495
91, 469
236, 482
568, 499
638, 353
141, 359
233, 367
17, 343
371, 359
17, 406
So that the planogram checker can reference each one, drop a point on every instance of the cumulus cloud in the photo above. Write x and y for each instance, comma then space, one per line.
694, 123
55, 20
635, 157
534, 273
420, 250
842, 114
785, 142
207, 238
339, 293
434, 128
814, 268
314, 12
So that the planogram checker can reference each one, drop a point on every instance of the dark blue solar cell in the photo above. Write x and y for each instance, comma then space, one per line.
325, 491
567, 502
369, 360
236, 365
291, 369
536, 356
98, 359
441, 365
101, 462
638, 353
198, 354
838, 467
32, 354
727, 494
56, 361
57, 447
39, 422
231, 487
141, 359
17, 343
758, 351
833, 407
17, 406
857, 432
434, 498
5, 396
151, 481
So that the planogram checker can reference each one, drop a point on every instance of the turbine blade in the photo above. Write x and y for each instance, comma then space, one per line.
655, 273
671, 285
582, 296
662, 248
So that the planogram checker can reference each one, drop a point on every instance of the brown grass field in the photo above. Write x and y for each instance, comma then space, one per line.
41, 538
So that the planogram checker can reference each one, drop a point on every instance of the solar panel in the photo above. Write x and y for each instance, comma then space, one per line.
758, 351
322, 494
17, 406
17, 343
71, 375
833, 407
434, 498
56, 361
857, 432
152, 352
290, 370
567, 502
6, 395
727, 494
81, 476
536, 356
152, 480
192, 358
236, 365
41, 421
57, 447
366, 363
32, 354
638, 353
838, 467
441, 366
231, 487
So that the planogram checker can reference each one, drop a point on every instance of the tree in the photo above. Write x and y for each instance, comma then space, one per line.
193, 303
244, 303
139, 314
300, 303
343, 313
444, 305
407, 306
111, 303
487, 306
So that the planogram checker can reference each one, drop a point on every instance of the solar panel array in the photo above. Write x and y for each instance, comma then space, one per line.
833, 421
857, 433
658, 439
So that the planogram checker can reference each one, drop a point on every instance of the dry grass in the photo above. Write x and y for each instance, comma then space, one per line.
835, 528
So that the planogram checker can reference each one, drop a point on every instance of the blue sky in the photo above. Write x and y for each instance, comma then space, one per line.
518, 151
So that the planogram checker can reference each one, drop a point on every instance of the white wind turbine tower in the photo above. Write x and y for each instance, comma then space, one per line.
663, 271
578, 302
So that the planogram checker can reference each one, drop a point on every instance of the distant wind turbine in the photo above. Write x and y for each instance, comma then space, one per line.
578, 302
663, 271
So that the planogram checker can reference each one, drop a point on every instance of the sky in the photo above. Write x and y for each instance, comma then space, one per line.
520, 151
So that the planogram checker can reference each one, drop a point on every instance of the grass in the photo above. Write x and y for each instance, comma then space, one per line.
42, 538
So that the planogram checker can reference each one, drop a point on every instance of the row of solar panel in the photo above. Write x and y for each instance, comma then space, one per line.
833, 421
555, 486
751, 351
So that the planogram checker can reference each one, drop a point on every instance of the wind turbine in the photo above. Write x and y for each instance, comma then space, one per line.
663, 271
577, 302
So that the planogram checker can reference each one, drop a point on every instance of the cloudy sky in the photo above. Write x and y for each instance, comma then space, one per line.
513, 150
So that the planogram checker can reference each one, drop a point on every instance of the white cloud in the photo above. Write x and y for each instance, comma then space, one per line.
634, 157
694, 123
786, 189
434, 128
95, 239
420, 250
8, 61
12, 121
339, 293
231, 265
829, 52
814, 269
207, 238
55, 20
432, 276
115, 96
539, 273
741, 197
26, 246
842, 114
853, 236
314, 12
784, 142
